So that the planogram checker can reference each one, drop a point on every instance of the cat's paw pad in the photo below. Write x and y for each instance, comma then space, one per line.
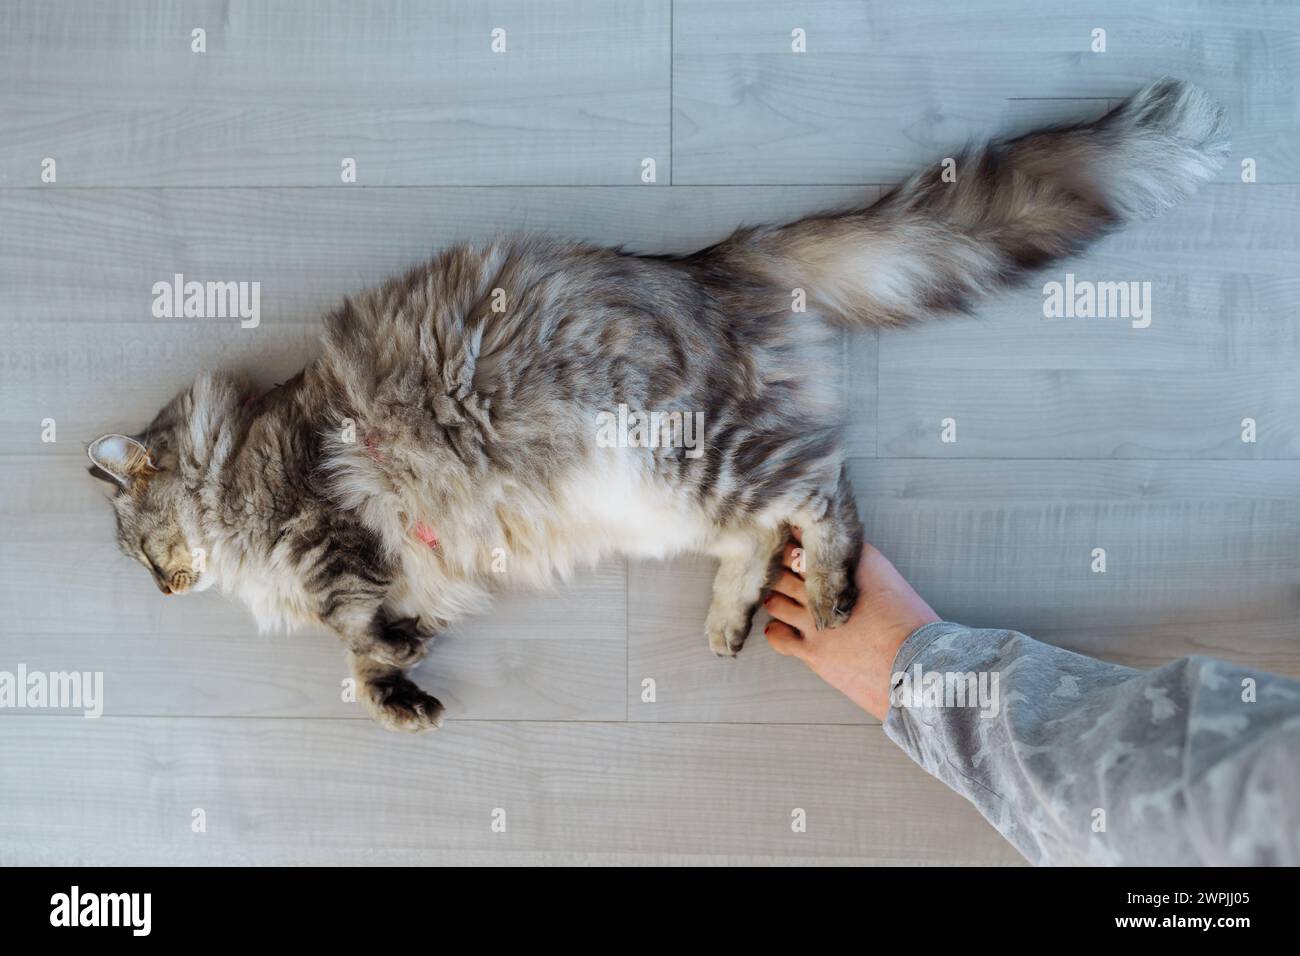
399, 704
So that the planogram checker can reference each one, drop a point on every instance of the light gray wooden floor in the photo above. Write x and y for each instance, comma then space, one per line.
1073, 434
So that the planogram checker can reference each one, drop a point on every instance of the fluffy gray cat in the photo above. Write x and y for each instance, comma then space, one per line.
452, 428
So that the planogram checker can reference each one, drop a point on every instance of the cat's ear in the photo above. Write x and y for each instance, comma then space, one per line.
120, 458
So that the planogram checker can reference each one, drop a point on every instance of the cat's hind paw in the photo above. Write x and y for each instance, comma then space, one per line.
831, 598
727, 633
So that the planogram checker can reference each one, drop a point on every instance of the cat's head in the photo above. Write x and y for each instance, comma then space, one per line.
157, 514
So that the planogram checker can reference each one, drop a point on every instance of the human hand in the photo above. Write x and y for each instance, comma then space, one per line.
856, 658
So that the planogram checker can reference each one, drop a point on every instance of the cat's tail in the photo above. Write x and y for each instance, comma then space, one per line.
961, 230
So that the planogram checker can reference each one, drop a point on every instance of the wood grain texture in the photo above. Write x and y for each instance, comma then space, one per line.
411, 91
886, 87
1072, 434
1050, 413
1221, 345
1224, 270
1201, 557
285, 790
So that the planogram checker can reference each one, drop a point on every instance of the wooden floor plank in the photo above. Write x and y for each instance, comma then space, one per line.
412, 92
298, 791
883, 88
1002, 412
1224, 274
1201, 557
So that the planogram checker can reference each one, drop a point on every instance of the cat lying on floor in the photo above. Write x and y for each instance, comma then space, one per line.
452, 427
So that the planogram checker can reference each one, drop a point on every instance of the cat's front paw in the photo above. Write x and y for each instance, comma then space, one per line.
399, 704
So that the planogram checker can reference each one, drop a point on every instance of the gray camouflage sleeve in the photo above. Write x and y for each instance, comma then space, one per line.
1077, 761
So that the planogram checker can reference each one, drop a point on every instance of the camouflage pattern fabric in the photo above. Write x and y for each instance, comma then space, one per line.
1077, 761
